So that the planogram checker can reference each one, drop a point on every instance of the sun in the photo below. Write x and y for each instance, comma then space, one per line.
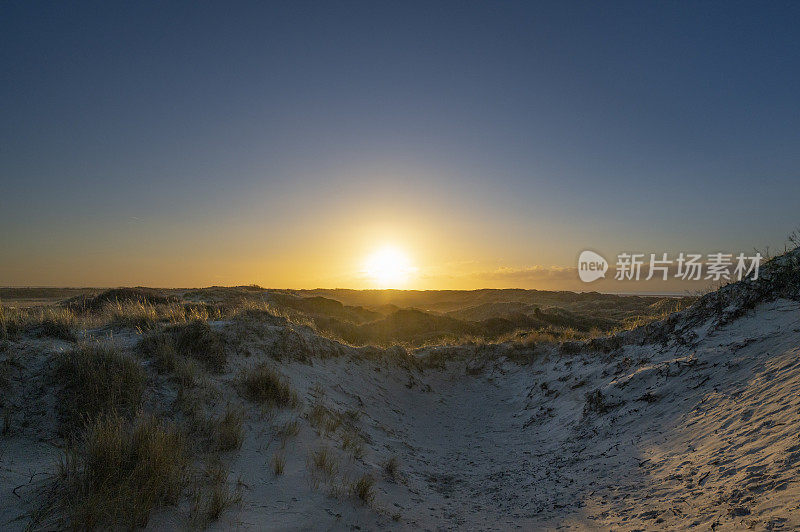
388, 267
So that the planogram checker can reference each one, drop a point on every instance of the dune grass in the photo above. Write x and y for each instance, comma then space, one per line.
42, 322
120, 471
230, 433
322, 465
161, 349
211, 496
392, 468
220, 499
144, 315
364, 489
278, 464
133, 314
195, 340
95, 380
322, 418
213, 433
5, 323
288, 430
56, 323
264, 385
353, 443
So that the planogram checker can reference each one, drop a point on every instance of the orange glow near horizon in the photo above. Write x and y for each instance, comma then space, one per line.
388, 267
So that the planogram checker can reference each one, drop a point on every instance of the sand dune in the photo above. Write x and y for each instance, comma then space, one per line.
689, 422
682, 436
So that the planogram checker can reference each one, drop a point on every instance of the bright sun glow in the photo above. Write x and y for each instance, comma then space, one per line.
388, 267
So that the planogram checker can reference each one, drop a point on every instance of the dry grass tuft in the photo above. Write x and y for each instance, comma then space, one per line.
7, 324
57, 328
120, 472
96, 380
213, 433
136, 314
219, 500
288, 430
211, 500
278, 464
597, 403
353, 443
230, 434
364, 489
325, 420
264, 385
195, 340
323, 462
392, 468
51, 322
161, 349
187, 373
145, 314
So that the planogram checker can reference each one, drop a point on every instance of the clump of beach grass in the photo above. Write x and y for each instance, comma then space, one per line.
230, 433
51, 322
262, 384
325, 420
120, 471
322, 464
97, 379
352, 442
195, 340
288, 430
364, 489
162, 350
392, 468
212, 496
139, 314
278, 464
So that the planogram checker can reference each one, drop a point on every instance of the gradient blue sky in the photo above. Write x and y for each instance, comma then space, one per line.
197, 143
